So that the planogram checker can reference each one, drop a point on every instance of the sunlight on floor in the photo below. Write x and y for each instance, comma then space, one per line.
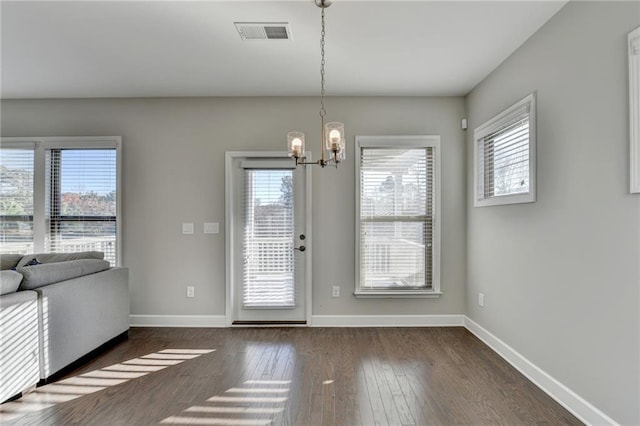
257, 402
95, 381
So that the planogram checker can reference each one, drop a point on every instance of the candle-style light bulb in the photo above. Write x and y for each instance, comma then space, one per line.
334, 139
296, 147
296, 144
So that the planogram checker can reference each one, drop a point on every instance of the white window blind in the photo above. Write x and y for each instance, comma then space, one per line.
504, 156
505, 159
268, 280
16, 200
81, 201
396, 218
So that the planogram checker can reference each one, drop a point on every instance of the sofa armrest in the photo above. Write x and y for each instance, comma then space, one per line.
19, 354
81, 314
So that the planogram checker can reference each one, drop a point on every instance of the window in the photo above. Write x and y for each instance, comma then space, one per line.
60, 195
16, 199
504, 156
397, 216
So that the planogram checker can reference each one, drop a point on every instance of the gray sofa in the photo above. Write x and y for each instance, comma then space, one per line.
66, 306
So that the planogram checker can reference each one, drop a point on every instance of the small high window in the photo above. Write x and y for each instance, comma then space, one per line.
504, 156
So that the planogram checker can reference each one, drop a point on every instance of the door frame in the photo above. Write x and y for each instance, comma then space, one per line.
230, 230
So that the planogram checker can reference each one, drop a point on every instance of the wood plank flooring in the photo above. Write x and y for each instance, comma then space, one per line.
292, 376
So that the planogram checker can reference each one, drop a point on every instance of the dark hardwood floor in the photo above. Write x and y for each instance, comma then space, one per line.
291, 376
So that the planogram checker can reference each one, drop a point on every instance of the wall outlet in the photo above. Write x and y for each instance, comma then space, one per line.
335, 291
481, 300
191, 291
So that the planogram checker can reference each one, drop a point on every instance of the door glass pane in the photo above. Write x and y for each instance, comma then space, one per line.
268, 280
16, 200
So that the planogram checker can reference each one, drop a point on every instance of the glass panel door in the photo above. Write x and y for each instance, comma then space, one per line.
269, 243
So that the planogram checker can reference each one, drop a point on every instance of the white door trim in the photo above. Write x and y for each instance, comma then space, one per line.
229, 225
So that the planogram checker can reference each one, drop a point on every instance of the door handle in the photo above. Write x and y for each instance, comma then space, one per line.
301, 248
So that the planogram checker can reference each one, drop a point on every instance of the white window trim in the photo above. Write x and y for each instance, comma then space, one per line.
419, 141
41, 144
634, 108
496, 123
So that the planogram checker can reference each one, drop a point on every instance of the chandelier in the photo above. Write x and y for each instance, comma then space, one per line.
332, 141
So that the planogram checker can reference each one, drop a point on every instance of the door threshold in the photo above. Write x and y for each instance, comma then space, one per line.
239, 323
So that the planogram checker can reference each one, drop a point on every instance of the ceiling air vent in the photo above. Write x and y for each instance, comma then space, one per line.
263, 30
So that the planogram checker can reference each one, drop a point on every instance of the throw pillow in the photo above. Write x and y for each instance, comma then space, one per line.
9, 281
60, 257
9, 261
50, 273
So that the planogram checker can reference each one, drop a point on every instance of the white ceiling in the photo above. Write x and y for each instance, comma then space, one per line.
56, 49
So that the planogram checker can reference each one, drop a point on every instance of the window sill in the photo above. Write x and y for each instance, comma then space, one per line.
397, 294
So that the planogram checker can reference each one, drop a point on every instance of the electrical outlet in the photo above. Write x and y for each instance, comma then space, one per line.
481, 300
191, 291
335, 291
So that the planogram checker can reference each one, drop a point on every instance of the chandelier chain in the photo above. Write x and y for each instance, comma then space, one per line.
322, 32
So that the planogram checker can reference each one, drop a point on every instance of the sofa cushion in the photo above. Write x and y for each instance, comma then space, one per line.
50, 273
60, 257
9, 281
9, 261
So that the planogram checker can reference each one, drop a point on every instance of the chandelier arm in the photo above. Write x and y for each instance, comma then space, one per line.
300, 162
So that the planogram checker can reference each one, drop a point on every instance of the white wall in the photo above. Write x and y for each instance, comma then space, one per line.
561, 276
173, 172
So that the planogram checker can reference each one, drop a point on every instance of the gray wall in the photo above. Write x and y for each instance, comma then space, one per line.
561, 276
173, 172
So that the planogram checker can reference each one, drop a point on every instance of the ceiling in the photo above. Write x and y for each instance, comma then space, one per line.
89, 49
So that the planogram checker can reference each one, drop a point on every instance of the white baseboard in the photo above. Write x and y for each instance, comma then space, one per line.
573, 402
177, 321
387, 320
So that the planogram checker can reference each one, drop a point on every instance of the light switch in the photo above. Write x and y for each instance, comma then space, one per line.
187, 228
211, 228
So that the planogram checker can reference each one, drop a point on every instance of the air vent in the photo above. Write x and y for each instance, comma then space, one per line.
263, 30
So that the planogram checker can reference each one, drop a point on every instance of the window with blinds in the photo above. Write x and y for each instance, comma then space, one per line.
81, 201
16, 200
504, 156
268, 246
68, 204
397, 216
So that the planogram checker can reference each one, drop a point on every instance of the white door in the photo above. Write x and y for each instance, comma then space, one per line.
270, 245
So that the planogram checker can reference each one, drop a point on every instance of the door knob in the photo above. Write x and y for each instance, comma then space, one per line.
301, 248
